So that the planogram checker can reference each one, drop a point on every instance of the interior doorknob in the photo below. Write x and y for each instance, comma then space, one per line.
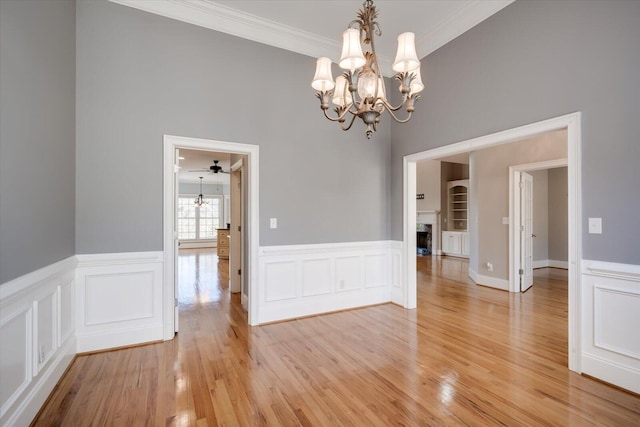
533, 235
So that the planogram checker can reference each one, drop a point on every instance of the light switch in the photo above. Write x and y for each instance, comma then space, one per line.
505, 220
273, 223
595, 225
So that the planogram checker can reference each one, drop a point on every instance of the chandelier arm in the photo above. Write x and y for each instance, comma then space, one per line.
338, 118
394, 117
353, 119
391, 107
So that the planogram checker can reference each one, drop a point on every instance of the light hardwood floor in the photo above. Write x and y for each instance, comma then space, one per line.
468, 355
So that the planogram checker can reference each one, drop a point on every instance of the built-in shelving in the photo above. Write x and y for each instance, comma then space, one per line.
458, 193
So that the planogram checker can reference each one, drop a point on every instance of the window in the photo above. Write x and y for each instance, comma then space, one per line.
198, 223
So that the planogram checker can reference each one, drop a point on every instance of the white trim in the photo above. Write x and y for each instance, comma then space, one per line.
241, 24
20, 297
572, 122
30, 404
119, 299
544, 263
118, 259
172, 142
212, 15
514, 213
612, 270
466, 18
17, 286
488, 281
611, 349
311, 279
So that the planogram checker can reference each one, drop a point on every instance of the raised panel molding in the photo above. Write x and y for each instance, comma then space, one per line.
15, 359
304, 280
316, 277
118, 299
280, 279
348, 273
134, 293
611, 303
614, 311
31, 307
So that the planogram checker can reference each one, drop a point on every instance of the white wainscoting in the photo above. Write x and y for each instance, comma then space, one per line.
304, 280
611, 310
37, 338
119, 300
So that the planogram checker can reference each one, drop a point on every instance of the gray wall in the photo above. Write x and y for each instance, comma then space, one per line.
428, 183
140, 76
37, 109
529, 62
558, 215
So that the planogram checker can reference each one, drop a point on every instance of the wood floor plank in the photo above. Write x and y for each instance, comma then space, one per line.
468, 355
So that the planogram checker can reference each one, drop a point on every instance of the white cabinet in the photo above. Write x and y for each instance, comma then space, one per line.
464, 237
455, 243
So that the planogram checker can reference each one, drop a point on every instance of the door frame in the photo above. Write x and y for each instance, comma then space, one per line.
514, 213
170, 143
237, 217
571, 122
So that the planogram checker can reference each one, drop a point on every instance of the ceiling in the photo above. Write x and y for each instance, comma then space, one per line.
314, 28
202, 160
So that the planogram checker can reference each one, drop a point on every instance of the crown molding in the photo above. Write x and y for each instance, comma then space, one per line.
466, 18
215, 16
208, 14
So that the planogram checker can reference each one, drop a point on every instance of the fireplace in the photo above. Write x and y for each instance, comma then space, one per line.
424, 240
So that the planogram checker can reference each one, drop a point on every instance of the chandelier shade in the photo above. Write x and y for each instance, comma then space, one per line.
360, 91
341, 94
352, 56
406, 56
416, 85
323, 80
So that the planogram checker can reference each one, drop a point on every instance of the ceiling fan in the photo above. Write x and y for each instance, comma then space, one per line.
214, 168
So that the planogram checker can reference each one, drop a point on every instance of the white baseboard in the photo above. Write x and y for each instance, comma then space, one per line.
610, 306
492, 282
119, 299
37, 311
544, 263
304, 280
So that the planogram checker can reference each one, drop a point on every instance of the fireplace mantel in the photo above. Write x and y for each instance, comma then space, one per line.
431, 217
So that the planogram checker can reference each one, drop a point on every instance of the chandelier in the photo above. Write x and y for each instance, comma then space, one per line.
199, 201
360, 91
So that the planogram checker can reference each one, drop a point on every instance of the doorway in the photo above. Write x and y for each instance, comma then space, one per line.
571, 123
171, 145
521, 218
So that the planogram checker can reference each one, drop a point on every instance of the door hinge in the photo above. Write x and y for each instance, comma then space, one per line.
239, 272
521, 272
522, 228
521, 184
175, 302
239, 228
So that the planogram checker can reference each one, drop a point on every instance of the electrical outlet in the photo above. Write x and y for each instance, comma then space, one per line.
489, 266
273, 223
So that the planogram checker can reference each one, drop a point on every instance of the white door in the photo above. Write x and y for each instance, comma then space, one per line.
235, 241
176, 242
526, 231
